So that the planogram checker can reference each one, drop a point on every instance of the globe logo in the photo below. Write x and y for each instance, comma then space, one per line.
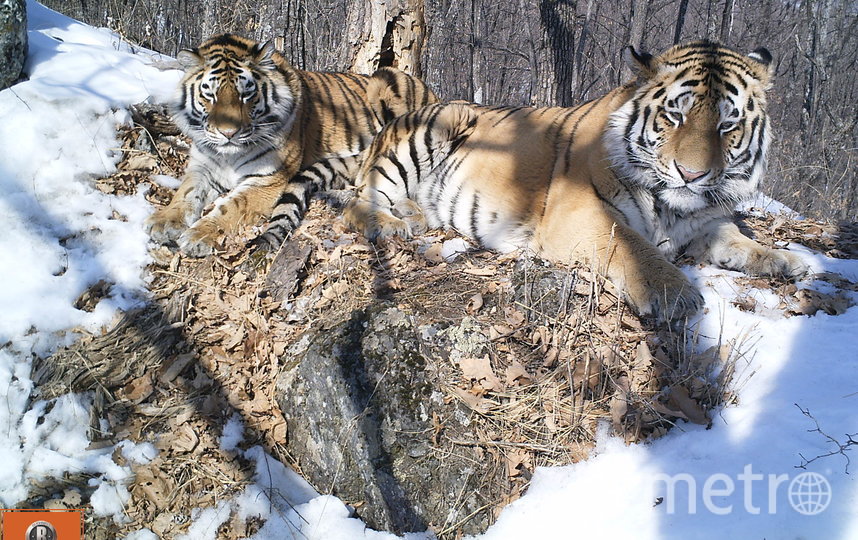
809, 493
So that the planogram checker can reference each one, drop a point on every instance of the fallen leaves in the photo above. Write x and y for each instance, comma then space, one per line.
515, 373
479, 371
810, 302
680, 405
544, 374
93, 295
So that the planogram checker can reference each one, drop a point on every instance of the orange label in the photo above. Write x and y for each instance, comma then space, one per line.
41, 524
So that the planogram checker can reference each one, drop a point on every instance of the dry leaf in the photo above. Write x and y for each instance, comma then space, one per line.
620, 403
474, 303
433, 253
140, 161
185, 440
516, 374
138, 389
437, 427
481, 271
93, 295
745, 303
156, 488
550, 358
71, 499
473, 402
333, 293
515, 459
514, 317
588, 372
480, 370
175, 367
810, 302
680, 400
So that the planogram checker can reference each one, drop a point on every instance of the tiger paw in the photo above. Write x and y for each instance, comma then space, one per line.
384, 226
374, 223
666, 295
756, 260
781, 263
165, 226
411, 213
201, 240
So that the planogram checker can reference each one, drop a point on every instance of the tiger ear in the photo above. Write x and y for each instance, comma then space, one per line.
763, 57
189, 58
642, 64
265, 55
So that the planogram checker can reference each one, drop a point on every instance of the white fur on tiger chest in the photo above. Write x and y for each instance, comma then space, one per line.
669, 232
224, 173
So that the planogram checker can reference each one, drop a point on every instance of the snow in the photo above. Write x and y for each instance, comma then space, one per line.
451, 248
233, 433
61, 236
166, 181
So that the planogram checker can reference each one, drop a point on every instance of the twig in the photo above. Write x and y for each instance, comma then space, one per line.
502, 444
842, 448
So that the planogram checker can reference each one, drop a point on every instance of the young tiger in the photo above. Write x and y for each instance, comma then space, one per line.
625, 182
254, 121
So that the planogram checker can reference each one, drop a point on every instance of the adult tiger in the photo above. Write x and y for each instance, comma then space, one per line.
624, 182
254, 121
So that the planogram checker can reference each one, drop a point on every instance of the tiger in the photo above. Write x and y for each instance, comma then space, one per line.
254, 121
624, 183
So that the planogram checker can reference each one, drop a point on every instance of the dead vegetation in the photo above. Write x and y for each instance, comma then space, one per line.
209, 343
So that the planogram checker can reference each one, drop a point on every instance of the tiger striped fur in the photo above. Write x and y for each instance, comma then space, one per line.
254, 122
624, 182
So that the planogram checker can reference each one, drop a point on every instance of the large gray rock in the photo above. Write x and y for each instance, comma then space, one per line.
362, 408
13, 40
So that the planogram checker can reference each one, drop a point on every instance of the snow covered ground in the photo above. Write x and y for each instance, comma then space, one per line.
60, 235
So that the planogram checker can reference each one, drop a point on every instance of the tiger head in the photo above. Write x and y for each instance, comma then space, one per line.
235, 93
695, 132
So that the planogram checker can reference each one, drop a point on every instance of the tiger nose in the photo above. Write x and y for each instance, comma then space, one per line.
228, 132
689, 175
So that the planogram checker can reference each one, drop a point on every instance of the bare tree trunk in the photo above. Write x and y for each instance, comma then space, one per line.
580, 67
637, 23
680, 20
386, 34
558, 20
710, 19
726, 21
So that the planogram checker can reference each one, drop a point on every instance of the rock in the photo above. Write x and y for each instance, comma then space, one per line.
363, 413
13, 40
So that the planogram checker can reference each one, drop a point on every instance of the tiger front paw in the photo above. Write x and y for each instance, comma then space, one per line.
166, 225
374, 223
781, 263
201, 239
384, 226
666, 295
757, 260
411, 213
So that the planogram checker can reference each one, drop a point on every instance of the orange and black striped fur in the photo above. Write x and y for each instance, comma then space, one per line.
254, 122
625, 182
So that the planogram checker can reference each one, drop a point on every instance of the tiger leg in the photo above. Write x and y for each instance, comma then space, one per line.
578, 226
378, 222
167, 224
334, 175
380, 214
724, 245
242, 206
